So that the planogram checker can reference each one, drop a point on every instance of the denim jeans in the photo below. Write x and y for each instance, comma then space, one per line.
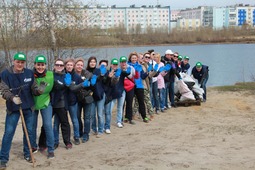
87, 121
154, 95
162, 97
120, 104
98, 107
167, 84
11, 122
203, 85
73, 114
46, 114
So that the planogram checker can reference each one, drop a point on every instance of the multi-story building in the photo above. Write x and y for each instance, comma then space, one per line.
245, 15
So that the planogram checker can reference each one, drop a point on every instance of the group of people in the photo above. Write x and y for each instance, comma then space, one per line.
143, 80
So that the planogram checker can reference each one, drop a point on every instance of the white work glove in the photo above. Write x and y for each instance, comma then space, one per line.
16, 100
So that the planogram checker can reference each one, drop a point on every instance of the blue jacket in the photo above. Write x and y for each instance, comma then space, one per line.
203, 73
21, 85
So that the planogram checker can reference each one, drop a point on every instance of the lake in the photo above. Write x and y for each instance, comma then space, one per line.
228, 63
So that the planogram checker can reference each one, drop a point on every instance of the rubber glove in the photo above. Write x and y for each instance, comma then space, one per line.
161, 69
68, 79
103, 70
167, 67
93, 80
155, 67
150, 67
128, 70
118, 72
86, 83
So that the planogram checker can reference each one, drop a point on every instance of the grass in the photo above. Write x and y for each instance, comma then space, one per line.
246, 87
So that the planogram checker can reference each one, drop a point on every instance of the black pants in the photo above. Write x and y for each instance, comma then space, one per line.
140, 98
129, 104
61, 113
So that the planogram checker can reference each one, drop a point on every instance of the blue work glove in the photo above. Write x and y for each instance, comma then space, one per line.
128, 70
155, 67
93, 80
103, 70
118, 72
161, 69
168, 67
68, 79
86, 83
150, 67
138, 67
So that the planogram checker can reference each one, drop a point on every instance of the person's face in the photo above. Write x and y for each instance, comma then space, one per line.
185, 61
199, 69
114, 66
123, 65
156, 59
175, 57
133, 59
141, 60
104, 63
69, 66
40, 67
147, 58
92, 63
169, 56
79, 66
18, 65
59, 66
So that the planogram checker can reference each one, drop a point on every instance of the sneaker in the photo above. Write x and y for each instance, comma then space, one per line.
34, 150
42, 149
125, 120
55, 146
69, 146
157, 112
146, 120
77, 141
131, 122
3, 165
119, 125
173, 105
85, 138
107, 131
99, 135
93, 132
28, 159
51, 155
162, 110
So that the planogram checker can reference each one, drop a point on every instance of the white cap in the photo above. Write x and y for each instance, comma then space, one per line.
169, 52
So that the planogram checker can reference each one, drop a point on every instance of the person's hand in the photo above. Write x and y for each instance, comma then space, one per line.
128, 70
161, 69
68, 79
93, 80
138, 67
168, 67
150, 67
41, 87
103, 70
86, 83
118, 72
16, 100
155, 67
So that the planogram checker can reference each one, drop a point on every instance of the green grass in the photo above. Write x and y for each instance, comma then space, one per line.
250, 87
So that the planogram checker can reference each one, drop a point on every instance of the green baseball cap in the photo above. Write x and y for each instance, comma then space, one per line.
40, 59
123, 59
115, 61
198, 64
186, 58
20, 56
179, 57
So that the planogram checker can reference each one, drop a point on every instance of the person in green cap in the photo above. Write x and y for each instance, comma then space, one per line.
45, 81
185, 65
17, 84
201, 73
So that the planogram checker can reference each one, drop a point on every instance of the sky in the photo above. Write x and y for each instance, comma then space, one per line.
175, 4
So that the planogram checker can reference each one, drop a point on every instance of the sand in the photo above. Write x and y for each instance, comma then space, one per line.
219, 134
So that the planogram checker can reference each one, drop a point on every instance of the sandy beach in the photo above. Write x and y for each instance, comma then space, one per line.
219, 134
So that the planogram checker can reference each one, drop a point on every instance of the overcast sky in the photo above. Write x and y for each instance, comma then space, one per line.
175, 4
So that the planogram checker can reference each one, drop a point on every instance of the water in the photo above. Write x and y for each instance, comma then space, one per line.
228, 63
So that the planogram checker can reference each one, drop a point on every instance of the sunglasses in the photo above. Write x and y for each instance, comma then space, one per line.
147, 57
59, 65
175, 56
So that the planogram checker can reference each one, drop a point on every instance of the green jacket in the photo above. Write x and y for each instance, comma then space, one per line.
42, 101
